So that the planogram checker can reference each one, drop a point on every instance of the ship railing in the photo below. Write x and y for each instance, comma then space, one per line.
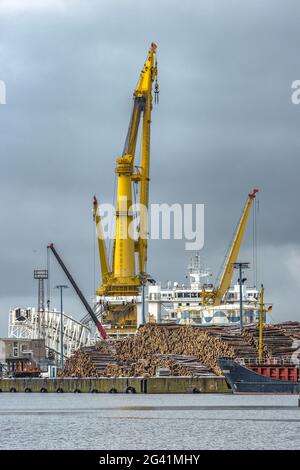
284, 361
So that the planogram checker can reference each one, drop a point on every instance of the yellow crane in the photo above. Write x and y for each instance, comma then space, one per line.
261, 321
122, 278
215, 297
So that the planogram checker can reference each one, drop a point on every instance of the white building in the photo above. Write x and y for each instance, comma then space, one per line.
27, 323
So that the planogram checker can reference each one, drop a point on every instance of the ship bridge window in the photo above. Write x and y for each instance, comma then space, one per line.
154, 296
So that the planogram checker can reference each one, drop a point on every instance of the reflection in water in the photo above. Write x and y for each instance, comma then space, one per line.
148, 421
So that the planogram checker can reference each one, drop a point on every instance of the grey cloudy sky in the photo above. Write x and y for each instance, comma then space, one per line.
225, 124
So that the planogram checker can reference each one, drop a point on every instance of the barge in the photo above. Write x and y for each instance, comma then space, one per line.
273, 377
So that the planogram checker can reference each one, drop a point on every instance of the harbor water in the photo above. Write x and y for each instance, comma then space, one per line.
105, 421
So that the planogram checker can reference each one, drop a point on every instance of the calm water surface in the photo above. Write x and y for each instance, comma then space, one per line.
82, 421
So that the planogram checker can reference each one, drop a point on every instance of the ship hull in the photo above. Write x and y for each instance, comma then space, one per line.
245, 381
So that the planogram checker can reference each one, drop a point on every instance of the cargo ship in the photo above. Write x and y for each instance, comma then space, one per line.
272, 377
184, 303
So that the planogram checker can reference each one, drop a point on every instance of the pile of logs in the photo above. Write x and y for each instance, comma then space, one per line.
278, 340
148, 367
290, 328
233, 339
79, 365
184, 349
89, 361
205, 344
190, 364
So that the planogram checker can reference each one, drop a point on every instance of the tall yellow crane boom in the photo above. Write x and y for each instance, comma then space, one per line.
227, 274
215, 297
144, 89
123, 279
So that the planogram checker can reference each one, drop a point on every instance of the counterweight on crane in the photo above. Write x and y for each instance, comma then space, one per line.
122, 278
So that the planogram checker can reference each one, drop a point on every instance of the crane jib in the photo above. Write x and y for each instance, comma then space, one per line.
98, 325
131, 138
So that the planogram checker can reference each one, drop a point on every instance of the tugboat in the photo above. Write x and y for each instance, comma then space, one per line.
275, 377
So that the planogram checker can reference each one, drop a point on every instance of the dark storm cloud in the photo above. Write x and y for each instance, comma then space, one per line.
225, 124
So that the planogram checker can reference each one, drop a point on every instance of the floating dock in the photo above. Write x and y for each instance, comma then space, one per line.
117, 385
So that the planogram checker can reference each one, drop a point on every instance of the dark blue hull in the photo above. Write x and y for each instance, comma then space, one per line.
244, 380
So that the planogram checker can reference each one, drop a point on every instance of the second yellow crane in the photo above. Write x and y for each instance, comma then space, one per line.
215, 296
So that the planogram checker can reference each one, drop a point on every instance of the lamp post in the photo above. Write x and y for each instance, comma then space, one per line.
240, 267
61, 287
261, 320
143, 278
143, 305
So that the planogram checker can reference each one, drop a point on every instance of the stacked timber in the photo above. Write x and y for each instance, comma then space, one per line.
190, 364
184, 349
206, 344
89, 361
278, 340
79, 365
148, 367
290, 328
232, 337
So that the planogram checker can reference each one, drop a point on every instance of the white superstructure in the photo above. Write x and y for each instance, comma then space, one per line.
183, 303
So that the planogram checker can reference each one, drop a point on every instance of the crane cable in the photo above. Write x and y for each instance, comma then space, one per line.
94, 258
253, 246
257, 238
156, 86
221, 269
255, 242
